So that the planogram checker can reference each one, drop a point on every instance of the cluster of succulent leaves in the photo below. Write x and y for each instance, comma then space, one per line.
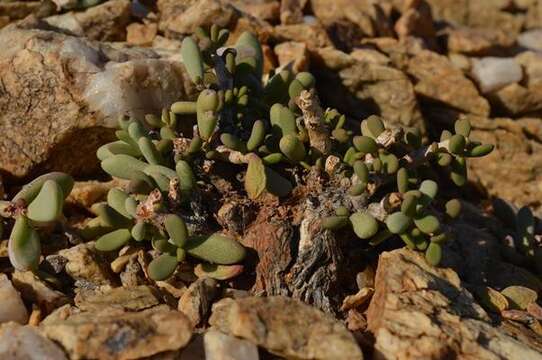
520, 227
36, 206
237, 118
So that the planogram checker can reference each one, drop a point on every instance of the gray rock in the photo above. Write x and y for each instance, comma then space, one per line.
219, 346
12, 308
286, 327
492, 73
531, 39
25, 343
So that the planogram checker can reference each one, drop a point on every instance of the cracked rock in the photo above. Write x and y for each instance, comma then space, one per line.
286, 327
422, 312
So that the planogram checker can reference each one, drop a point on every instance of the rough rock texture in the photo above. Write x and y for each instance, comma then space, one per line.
59, 89
26, 343
422, 312
511, 171
286, 327
477, 42
348, 21
183, 17
105, 22
113, 334
437, 80
219, 346
12, 308
196, 301
123, 298
86, 267
38, 292
367, 88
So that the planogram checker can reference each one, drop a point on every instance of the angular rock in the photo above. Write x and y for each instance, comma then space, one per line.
367, 88
293, 53
13, 308
291, 11
123, 298
517, 155
58, 89
516, 99
35, 290
86, 193
525, 97
531, 39
436, 79
348, 21
492, 73
25, 343
416, 20
196, 301
141, 34
313, 35
219, 346
419, 311
262, 9
286, 327
478, 42
118, 335
104, 22
86, 266
184, 17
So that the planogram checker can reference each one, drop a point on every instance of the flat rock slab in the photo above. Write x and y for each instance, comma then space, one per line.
123, 298
422, 312
285, 327
118, 335
26, 343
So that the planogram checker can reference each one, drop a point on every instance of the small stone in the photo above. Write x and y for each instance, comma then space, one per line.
141, 34
286, 327
491, 299
37, 291
25, 343
86, 193
370, 55
358, 299
110, 334
519, 297
291, 11
293, 53
219, 346
105, 22
123, 298
493, 73
86, 266
196, 301
12, 308
531, 39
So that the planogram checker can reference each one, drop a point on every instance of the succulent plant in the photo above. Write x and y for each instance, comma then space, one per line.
38, 204
274, 132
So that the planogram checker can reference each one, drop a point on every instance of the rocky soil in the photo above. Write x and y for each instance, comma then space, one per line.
69, 69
